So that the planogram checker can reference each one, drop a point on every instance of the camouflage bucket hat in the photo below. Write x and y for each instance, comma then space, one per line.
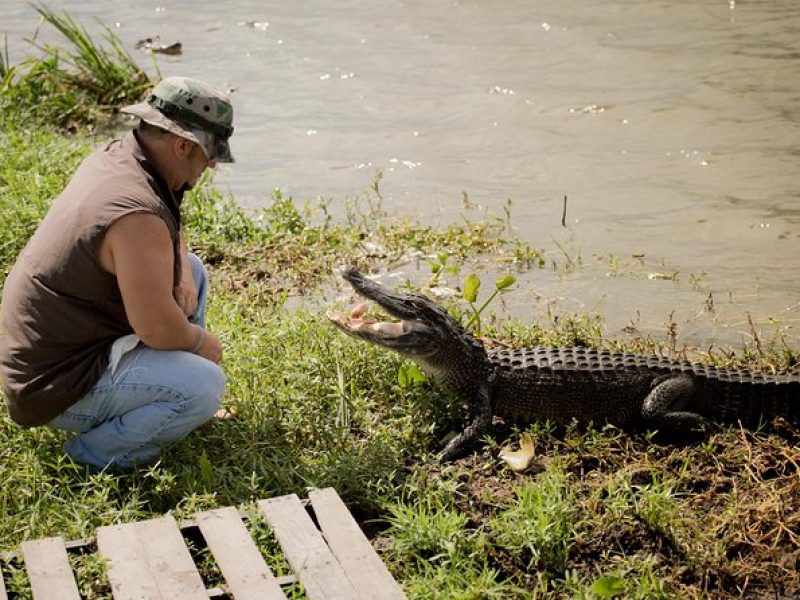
193, 110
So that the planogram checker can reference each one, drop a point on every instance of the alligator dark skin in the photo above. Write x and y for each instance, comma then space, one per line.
564, 384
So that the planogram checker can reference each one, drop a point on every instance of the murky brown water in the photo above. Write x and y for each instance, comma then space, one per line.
673, 127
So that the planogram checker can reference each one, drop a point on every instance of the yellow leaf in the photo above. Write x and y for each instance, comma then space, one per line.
519, 460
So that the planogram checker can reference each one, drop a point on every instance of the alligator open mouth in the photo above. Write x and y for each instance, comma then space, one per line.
407, 329
357, 322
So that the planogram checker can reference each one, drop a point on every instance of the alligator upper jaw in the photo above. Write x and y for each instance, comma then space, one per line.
398, 306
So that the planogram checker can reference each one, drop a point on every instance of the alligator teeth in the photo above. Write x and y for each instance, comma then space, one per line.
358, 310
352, 323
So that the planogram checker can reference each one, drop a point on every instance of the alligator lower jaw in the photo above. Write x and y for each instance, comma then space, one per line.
355, 323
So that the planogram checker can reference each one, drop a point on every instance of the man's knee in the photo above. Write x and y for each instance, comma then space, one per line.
207, 390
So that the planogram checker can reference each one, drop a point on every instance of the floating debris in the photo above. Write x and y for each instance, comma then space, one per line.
154, 46
260, 25
663, 276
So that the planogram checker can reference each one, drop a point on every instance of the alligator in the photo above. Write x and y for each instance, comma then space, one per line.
563, 384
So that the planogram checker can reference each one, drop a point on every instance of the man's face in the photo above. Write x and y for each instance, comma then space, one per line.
196, 164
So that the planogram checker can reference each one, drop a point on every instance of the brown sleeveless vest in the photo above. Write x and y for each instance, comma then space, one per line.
61, 311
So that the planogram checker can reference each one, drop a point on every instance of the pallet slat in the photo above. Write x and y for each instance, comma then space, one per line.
246, 573
128, 569
49, 570
3, 594
306, 551
363, 567
149, 560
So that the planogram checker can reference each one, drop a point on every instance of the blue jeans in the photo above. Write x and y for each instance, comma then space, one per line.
154, 398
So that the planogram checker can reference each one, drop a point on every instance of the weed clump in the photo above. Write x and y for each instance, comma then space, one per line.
69, 88
540, 521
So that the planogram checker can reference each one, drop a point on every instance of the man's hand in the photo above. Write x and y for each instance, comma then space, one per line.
186, 296
210, 347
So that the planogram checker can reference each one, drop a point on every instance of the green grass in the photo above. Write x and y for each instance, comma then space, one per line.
539, 522
435, 551
34, 164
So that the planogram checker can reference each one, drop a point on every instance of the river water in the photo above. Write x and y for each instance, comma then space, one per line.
672, 126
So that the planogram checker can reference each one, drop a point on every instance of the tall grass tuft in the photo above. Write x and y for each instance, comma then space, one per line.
109, 76
72, 86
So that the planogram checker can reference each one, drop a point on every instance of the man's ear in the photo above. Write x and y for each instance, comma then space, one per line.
182, 146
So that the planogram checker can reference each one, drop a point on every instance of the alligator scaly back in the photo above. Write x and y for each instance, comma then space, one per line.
590, 380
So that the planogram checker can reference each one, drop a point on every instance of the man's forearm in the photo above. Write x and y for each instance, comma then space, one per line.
173, 334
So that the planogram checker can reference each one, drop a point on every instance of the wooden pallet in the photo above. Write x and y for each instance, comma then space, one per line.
329, 555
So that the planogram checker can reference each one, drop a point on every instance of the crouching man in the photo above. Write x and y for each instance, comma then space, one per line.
102, 321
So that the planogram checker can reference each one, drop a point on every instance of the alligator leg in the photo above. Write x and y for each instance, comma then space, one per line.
481, 421
664, 405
